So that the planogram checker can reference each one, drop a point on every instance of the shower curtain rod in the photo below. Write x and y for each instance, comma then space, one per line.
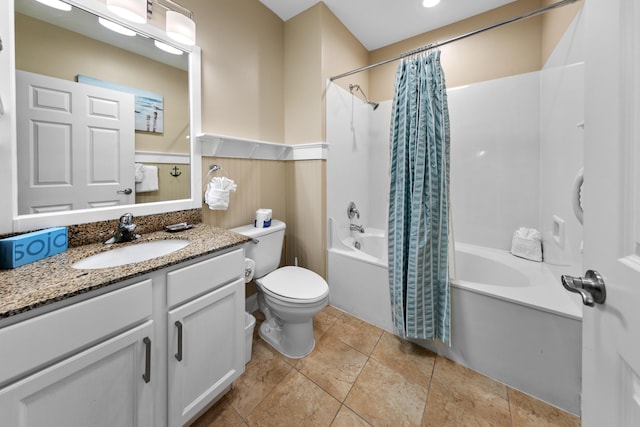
455, 39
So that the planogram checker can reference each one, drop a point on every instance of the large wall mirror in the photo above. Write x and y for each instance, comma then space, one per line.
104, 122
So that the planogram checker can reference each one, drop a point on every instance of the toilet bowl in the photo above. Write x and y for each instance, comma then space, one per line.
289, 296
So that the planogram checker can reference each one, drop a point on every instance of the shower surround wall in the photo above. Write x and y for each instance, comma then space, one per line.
515, 149
494, 159
357, 159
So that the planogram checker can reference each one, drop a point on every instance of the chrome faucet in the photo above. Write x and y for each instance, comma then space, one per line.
125, 231
355, 227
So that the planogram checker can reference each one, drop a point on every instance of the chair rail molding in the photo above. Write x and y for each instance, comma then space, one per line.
241, 148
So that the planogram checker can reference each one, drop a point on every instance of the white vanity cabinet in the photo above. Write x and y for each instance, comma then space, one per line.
84, 364
110, 360
205, 334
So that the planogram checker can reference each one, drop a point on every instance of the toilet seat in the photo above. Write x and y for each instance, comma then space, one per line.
295, 284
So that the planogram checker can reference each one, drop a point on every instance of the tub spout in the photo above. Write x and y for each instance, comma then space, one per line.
355, 227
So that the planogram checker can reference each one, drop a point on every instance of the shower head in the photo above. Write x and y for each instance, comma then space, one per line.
353, 87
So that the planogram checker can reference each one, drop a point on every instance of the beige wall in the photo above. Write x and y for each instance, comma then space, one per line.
306, 213
46, 49
169, 187
261, 184
554, 25
303, 77
242, 68
505, 51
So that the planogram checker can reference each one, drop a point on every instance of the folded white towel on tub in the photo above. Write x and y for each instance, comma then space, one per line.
527, 243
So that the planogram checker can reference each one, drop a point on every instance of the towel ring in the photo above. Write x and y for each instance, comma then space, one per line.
213, 168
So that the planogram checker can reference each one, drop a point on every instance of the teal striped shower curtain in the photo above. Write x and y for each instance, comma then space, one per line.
419, 201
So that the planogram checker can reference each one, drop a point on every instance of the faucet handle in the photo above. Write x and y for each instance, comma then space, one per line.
352, 211
126, 219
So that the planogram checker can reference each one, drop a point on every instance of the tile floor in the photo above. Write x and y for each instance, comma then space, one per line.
360, 375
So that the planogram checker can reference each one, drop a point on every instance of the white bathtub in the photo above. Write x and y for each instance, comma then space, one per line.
511, 318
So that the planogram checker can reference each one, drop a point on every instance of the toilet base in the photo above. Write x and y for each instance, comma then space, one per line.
293, 340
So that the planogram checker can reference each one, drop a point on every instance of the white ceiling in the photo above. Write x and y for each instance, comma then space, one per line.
378, 23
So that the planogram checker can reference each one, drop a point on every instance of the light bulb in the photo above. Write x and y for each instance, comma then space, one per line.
131, 10
169, 49
116, 27
430, 3
56, 4
180, 28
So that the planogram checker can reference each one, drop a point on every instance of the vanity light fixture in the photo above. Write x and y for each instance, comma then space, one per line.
430, 3
131, 10
169, 49
181, 28
179, 22
116, 27
56, 4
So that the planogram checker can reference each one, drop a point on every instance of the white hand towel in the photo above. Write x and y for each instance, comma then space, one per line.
139, 174
217, 194
149, 179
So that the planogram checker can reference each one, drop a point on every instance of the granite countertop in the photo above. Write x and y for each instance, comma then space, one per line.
53, 279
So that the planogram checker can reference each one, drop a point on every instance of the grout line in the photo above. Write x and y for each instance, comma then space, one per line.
426, 401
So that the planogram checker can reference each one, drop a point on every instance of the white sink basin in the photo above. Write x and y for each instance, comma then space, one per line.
130, 254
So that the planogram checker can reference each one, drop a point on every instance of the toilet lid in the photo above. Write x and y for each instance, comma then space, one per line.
295, 283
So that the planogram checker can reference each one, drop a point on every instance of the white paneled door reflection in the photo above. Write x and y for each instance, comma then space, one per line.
76, 145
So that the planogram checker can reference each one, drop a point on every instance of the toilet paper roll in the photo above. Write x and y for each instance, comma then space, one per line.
249, 269
263, 218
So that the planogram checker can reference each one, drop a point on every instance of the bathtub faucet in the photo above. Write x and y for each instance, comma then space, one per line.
355, 227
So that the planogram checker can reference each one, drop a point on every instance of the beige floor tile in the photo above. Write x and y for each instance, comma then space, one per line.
265, 370
383, 398
334, 366
331, 310
468, 392
412, 361
358, 334
347, 418
444, 412
296, 401
321, 324
527, 411
399, 384
221, 414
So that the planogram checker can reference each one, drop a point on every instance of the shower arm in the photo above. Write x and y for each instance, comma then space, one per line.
353, 87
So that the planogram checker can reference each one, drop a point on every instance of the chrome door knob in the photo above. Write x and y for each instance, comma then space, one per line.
590, 287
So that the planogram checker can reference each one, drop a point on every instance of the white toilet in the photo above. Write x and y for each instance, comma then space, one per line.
289, 297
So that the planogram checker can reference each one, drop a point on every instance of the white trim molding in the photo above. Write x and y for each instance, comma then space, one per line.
241, 148
158, 157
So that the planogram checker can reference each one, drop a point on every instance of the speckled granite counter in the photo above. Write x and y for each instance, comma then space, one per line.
53, 279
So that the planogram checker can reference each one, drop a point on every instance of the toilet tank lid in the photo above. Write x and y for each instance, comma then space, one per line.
250, 231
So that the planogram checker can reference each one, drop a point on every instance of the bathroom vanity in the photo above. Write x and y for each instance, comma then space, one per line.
146, 344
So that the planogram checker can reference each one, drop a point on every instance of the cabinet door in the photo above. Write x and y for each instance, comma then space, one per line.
101, 386
206, 350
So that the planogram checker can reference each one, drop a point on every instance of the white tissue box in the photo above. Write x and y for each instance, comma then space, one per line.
526, 248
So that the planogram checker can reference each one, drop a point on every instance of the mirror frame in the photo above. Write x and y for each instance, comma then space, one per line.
10, 221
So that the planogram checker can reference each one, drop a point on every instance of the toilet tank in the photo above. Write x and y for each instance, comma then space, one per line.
266, 253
